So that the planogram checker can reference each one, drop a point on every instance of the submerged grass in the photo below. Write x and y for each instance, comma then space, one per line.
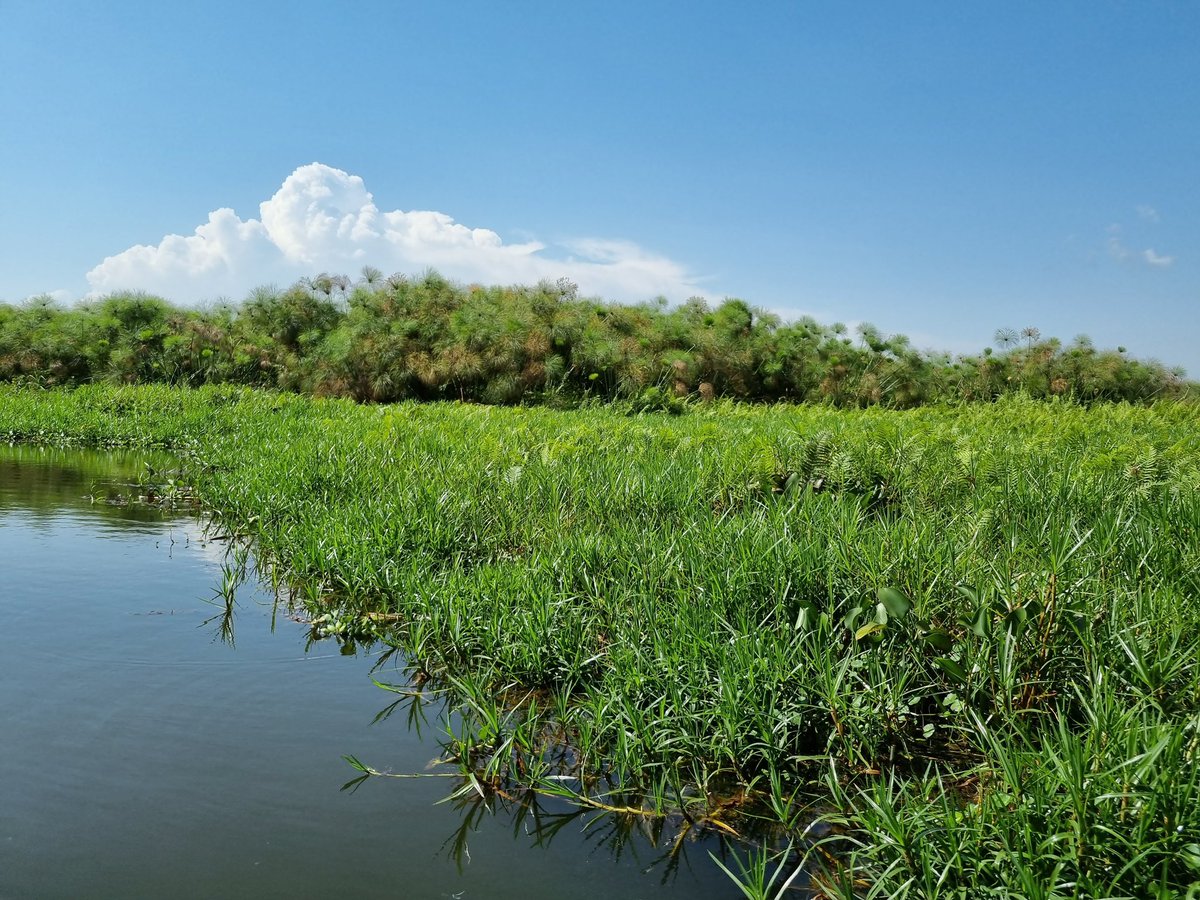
961, 645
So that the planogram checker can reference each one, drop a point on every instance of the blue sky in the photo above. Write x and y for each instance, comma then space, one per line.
938, 169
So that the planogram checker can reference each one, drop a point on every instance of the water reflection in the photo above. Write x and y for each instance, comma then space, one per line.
123, 486
224, 600
660, 845
217, 734
433, 712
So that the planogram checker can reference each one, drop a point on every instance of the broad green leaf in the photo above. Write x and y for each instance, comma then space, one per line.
981, 623
951, 668
1015, 621
881, 614
970, 593
868, 629
1191, 857
898, 605
939, 640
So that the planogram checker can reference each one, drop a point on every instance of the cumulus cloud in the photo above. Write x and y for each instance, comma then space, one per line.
1155, 259
324, 219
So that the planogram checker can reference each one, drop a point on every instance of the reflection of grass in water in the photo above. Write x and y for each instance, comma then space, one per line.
42, 481
617, 820
963, 636
225, 596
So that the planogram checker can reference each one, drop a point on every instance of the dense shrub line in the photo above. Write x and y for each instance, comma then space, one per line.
427, 338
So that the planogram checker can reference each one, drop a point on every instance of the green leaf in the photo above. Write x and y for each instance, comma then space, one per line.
789, 486
951, 668
897, 604
354, 783
881, 614
1191, 856
1015, 621
981, 623
970, 593
939, 640
868, 629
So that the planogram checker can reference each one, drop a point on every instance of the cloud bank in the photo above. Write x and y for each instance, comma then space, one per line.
325, 220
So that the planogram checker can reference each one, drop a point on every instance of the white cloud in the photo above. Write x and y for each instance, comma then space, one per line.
1118, 250
1148, 213
324, 219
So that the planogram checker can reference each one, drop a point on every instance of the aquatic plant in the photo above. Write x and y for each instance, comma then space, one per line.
962, 640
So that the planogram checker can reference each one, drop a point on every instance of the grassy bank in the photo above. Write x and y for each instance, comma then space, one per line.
968, 638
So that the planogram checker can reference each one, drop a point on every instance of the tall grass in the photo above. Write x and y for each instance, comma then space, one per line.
964, 639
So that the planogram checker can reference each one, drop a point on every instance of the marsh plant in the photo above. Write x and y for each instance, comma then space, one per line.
943, 652
384, 340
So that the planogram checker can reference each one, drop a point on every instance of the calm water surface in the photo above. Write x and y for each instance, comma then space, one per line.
142, 754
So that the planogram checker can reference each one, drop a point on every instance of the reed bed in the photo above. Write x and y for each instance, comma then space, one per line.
950, 651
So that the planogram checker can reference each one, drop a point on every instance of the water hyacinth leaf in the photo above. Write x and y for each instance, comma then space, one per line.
897, 604
939, 640
868, 629
951, 668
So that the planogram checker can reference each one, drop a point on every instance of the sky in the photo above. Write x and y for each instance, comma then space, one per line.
939, 169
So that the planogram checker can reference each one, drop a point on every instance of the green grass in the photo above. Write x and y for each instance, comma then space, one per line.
966, 638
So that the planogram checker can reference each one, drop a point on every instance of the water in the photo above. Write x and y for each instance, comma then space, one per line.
144, 754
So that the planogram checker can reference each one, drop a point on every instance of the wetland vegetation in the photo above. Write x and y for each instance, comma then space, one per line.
942, 652
426, 338
133, 719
